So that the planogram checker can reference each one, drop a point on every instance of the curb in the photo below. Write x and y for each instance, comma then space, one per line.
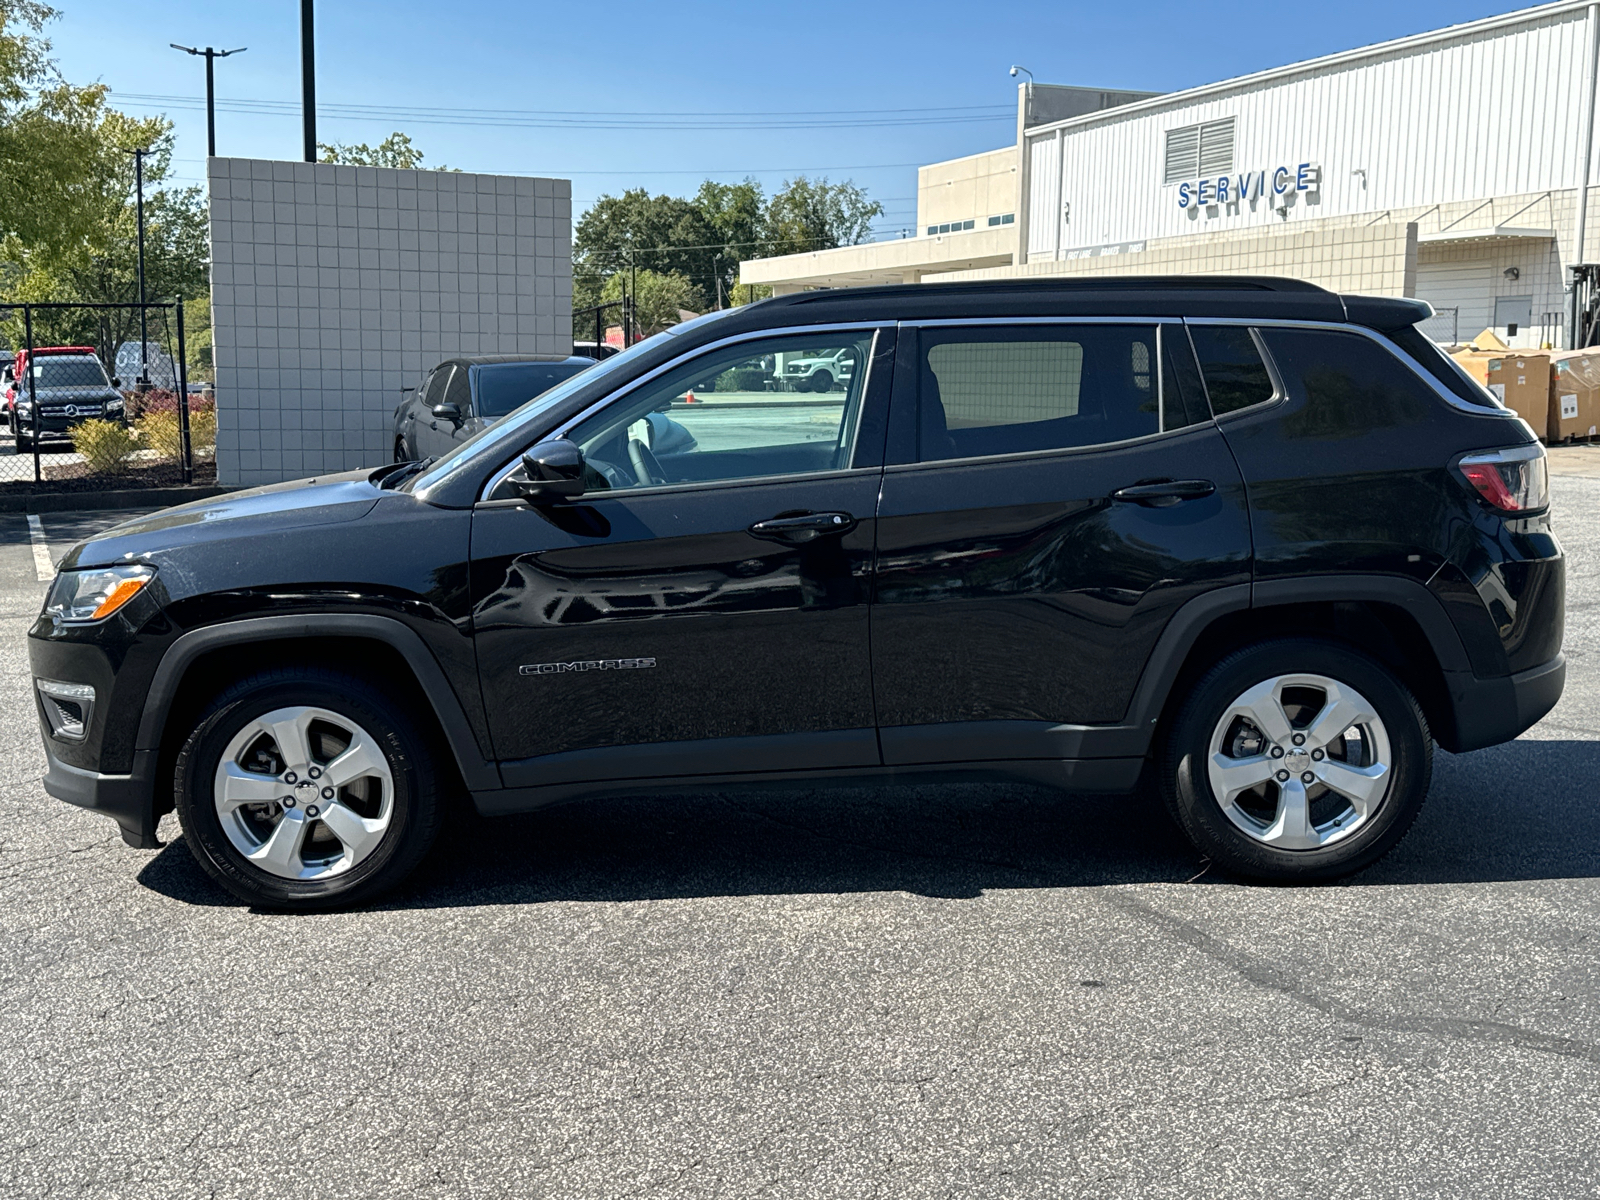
50, 502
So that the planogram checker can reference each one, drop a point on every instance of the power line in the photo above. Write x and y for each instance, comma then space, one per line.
560, 119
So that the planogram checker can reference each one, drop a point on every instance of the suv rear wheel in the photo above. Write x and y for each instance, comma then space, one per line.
306, 789
1297, 761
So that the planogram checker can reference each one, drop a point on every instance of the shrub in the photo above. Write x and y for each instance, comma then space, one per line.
159, 432
105, 445
203, 427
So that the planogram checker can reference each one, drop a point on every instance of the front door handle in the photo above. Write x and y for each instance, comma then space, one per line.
1164, 493
803, 527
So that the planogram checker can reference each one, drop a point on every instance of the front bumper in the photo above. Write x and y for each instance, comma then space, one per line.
129, 799
1491, 711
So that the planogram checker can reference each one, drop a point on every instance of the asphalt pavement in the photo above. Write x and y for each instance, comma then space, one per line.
956, 991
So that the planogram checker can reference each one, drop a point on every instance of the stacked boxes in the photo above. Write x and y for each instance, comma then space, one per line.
1519, 379
1574, 394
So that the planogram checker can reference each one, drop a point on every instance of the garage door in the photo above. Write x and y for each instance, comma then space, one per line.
1460, 295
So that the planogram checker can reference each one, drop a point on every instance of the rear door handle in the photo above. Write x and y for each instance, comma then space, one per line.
1164, 493
802, 527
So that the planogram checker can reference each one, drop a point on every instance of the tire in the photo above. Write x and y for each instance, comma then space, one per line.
822, 382
258, 827
400, 454
1379, 764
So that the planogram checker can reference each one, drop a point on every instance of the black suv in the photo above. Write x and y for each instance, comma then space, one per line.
462, 396
1255, 542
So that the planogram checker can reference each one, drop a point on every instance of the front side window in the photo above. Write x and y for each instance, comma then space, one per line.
986, 391
773, 406
459, 390
1230, 361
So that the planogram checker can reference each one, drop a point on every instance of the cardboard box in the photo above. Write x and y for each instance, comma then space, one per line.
1574, 394
1519, 379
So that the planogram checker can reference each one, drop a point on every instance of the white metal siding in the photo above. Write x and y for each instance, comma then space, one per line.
1493, 112
1044, 195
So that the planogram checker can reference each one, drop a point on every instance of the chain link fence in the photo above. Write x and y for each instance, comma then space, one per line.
99, 397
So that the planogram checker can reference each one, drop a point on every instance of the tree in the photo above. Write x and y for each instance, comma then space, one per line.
660, 301
394, 151
818, 215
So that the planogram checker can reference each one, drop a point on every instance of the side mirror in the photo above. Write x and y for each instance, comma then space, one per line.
448, 412
116, 382
552, 470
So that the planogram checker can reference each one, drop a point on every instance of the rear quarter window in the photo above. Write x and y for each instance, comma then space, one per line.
1230, 362
1345, 384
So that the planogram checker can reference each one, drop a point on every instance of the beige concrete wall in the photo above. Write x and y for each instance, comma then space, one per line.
973, 188
901, 260
1375, 259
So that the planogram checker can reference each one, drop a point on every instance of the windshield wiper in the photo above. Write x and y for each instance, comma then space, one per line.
406, 470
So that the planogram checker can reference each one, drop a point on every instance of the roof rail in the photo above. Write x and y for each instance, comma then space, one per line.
1114, 283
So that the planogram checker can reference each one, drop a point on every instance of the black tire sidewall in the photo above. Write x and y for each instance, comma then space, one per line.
1186, 782
411, 824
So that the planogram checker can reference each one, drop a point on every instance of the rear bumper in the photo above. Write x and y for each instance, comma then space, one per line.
126, 799
1491, 711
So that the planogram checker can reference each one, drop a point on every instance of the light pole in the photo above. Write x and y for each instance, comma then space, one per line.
144, 337
308, 79
211, 92
716, 269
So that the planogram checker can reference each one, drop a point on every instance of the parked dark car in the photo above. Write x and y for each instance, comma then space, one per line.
69, 385
461, 396
1257, 543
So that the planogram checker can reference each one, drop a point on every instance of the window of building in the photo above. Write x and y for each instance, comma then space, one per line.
950, 227
1004, 391
1008, 219
1196, 151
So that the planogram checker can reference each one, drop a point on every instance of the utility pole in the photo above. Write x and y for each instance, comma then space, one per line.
211, 92
716, 269
144, 337
308, 78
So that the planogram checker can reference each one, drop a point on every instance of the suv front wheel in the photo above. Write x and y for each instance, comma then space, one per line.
305, 789
1297, 761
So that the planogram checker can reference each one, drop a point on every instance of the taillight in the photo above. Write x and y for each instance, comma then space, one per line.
1515, 480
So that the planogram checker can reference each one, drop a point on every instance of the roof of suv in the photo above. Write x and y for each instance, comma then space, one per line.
1231, 296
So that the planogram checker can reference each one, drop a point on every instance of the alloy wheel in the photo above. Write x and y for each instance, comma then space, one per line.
304, 793
1298, 762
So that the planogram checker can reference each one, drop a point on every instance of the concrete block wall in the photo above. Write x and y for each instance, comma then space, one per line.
333, 287
1375, 259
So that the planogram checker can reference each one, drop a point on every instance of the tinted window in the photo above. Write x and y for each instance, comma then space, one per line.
777, 406
1003, 391
433, 390
1234, 373
69, 371
1442, 367
505, 386
459, 390
1349, 383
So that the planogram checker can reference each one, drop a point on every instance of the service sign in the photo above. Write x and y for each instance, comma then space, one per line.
1250, 186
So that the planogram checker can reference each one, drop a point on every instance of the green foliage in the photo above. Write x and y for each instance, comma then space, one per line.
704, 238
394, 151
159, 431
203, 427
197, 336
818, 215
662, 299
105, 445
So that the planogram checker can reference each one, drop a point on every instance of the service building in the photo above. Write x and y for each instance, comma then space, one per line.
1456, 166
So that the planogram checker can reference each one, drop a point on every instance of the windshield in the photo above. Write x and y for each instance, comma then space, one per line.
503, 387
509, 429
81, 370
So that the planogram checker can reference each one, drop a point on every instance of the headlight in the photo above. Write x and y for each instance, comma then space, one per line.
93, 595
114, 405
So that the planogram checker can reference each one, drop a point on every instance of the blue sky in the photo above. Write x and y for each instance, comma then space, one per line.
883, 62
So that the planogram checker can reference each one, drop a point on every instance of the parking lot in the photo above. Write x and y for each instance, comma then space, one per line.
974, 990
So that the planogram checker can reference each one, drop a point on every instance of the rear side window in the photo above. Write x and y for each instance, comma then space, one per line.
1350, 384
1231, 363
1442, 367
1009, 390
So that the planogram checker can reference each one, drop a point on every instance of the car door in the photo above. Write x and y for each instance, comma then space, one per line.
702, 608
435, 436
1053, 496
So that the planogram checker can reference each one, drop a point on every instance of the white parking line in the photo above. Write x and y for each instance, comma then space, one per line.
42, 566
